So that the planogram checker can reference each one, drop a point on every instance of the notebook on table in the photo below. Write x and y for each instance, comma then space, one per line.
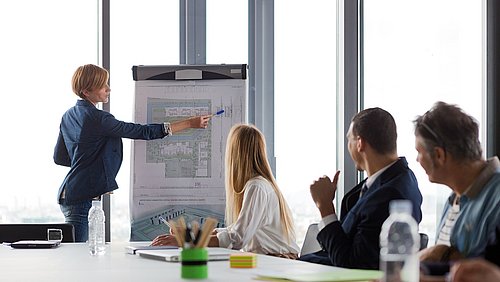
173, 255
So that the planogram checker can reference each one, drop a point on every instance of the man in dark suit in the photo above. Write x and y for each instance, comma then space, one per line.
353, 241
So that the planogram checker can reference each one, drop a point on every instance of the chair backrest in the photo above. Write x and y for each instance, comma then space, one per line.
310, 244
424, 240
35, 231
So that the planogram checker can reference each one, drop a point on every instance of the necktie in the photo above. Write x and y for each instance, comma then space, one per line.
363, 190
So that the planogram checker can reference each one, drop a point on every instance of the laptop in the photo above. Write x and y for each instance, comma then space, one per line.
35, 244
133, 249
173, 255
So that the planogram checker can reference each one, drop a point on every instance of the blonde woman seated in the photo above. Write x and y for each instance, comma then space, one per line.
254, 223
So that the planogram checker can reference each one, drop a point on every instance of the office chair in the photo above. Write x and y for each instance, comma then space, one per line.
35, 231
311, 244
424, 240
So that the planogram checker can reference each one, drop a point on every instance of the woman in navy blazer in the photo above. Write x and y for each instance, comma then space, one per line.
90, 144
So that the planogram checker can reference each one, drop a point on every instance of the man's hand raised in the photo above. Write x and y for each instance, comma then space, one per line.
323, 193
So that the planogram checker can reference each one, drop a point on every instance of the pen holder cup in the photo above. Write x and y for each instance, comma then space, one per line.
194, 263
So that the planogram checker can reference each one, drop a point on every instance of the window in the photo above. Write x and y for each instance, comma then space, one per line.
142, 33
40, 52
227, 36
305, 102
415, 56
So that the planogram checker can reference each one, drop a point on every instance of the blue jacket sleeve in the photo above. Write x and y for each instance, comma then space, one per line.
117, 128
61, 156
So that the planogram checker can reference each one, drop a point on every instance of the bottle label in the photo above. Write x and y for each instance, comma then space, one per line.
400, 268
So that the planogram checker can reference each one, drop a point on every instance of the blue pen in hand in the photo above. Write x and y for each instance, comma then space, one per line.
218, 113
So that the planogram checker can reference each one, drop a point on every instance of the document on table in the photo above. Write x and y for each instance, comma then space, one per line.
338, 275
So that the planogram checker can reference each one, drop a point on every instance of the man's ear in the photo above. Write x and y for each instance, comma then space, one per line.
360, 144
439, 155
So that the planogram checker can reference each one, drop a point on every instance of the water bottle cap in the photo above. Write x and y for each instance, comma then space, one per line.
400, 206
96, 203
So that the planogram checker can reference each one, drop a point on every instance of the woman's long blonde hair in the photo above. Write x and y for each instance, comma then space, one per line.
246, 158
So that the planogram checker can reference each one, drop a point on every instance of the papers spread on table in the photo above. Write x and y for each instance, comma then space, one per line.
337, 275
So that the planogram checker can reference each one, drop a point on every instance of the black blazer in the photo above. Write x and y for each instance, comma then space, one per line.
353, 241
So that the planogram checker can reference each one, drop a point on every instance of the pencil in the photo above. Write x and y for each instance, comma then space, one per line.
182, 229
176, 231
206, 232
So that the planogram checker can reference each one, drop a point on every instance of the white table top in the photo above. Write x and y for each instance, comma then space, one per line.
72, 262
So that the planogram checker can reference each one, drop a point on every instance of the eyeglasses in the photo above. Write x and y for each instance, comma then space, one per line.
436, 137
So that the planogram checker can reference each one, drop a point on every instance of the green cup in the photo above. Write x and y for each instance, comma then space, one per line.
194, 263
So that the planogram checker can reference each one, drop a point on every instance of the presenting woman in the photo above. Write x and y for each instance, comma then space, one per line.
90, 144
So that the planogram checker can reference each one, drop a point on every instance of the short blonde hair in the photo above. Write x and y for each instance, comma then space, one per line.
246, 158
89, 77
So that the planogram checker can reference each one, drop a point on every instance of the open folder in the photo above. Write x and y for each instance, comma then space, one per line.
173, 255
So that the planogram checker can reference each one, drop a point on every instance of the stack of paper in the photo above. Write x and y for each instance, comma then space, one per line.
243, 260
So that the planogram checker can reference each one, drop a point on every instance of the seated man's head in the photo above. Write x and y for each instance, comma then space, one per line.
372, 134
444, 136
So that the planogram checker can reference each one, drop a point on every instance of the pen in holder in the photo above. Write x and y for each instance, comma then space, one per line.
194, 254
194, 263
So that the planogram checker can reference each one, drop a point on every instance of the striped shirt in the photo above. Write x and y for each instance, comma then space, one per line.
445, 232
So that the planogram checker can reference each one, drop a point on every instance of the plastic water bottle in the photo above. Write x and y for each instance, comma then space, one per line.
399, 244
96, 229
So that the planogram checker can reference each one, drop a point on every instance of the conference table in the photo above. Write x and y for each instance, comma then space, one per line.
72, 262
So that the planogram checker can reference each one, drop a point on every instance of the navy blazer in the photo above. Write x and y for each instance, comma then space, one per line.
353, 241
90, 143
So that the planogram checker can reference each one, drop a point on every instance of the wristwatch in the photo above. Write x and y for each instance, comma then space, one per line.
167, 128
